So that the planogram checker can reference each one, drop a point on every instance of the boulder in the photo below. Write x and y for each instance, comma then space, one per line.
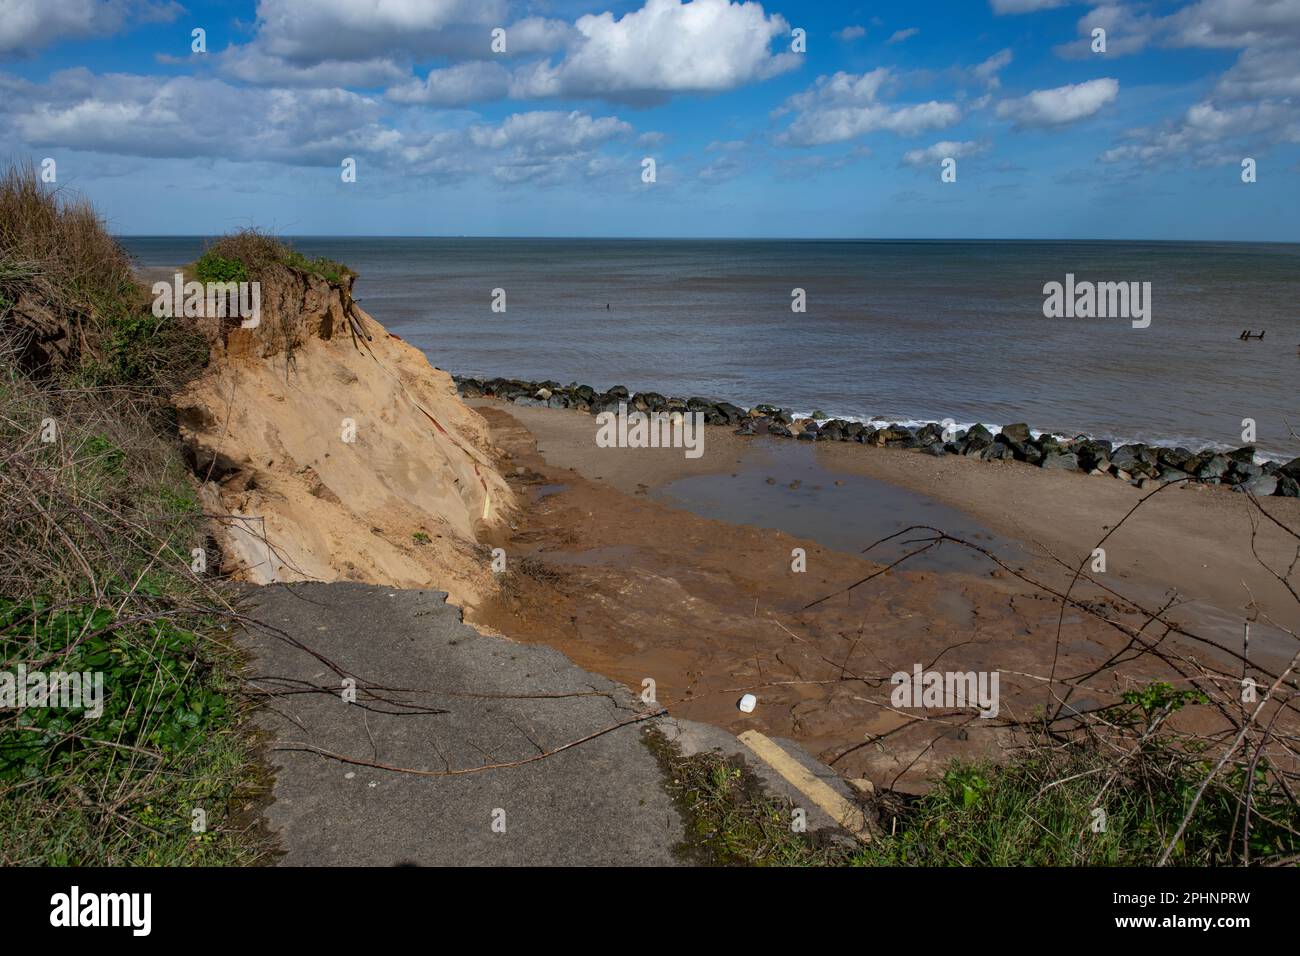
733, 413
1215, 468
1049, 444
1129, 457
1291, 469
997, 451
778, 429
1173, 458
930, 434
1065, 460
648, 402
1245, 471
1287, 486
1017, 434
1261, 486
1093, 455
1243, 455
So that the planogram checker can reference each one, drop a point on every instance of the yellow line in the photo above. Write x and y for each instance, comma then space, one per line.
843, 812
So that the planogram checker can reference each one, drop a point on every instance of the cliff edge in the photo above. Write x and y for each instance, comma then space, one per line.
329, 449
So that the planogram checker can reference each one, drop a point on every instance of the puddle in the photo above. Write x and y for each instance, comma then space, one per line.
545, 491
839, 511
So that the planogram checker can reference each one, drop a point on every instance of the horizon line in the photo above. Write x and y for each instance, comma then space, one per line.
936, 239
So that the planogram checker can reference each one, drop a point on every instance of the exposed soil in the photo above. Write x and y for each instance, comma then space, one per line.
632, 588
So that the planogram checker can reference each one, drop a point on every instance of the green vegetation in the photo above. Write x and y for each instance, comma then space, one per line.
100, 524
1053, 804
248, 254
211, 267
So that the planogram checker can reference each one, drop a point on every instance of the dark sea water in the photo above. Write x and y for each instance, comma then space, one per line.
905, 331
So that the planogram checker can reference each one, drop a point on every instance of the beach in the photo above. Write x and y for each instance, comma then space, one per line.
629, 583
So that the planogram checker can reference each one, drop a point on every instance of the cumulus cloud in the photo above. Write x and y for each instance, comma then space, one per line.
542, 147
457, 85
311, 31
28, 25
941, 151
847, 105
339, 42
1064, 104
1252, 106
1205, 135
849, 33
665, 47
147, 116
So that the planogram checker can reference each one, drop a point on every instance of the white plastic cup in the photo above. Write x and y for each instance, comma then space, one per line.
748, 703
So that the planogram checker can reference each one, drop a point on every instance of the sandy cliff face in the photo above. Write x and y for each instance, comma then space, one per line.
332, 450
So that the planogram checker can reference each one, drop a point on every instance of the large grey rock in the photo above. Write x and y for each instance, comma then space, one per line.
1067, 461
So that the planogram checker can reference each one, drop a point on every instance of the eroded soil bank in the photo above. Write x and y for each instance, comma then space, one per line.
603, 567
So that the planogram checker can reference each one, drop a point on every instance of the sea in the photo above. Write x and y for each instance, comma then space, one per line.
905, 331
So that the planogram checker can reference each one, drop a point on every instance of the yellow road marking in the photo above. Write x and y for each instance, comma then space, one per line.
843, 812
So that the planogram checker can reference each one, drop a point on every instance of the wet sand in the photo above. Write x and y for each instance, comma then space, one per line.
620, 564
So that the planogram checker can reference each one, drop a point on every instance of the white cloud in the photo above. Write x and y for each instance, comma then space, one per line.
542, 147
252, 64
343, 43
665, 47
850, 33
457, 85
1064, 104
942, 150
149, 116
901, 35
1254, 105
1001, 7
28, 25
1205, 135
312, 31
987, 72
846, 105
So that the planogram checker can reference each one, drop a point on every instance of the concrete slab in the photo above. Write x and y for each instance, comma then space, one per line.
458, 700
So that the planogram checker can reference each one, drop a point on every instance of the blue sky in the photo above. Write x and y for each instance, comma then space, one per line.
749, 137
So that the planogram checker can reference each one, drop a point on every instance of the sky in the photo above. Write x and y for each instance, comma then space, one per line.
756, 119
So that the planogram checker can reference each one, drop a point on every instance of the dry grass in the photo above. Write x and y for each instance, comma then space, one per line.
99, 520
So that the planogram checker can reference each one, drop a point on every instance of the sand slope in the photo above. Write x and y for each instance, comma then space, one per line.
329, 456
